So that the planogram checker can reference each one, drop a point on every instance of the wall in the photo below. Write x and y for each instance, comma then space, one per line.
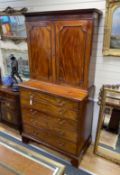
107, 68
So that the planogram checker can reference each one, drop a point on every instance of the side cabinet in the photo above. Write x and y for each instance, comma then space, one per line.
10, 108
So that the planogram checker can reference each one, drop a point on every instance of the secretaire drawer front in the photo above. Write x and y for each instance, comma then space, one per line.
63, 127
48, 99
50, 109
49, 138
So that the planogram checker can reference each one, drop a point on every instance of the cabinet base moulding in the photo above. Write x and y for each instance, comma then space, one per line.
75, 160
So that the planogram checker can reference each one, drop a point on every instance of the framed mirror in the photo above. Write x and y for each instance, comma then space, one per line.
112, 29
108, 131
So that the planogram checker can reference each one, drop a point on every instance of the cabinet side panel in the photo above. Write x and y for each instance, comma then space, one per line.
92, 65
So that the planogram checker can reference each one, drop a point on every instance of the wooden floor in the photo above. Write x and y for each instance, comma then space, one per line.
90, 162
15, 163
99, 165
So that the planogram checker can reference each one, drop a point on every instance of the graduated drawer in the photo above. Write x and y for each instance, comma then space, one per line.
50, 109
45, 98
62, 127
49, 138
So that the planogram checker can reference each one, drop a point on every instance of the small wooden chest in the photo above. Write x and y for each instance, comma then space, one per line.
10, 107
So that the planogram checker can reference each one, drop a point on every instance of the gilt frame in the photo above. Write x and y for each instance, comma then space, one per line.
111, 5
98, 150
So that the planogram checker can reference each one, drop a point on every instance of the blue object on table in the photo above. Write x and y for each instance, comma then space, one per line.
7, 80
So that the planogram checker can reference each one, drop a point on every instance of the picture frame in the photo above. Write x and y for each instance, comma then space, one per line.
12, 24
12, 27
111, 44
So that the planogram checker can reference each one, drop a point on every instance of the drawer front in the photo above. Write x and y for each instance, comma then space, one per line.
10, 116
50, 109
9, 104
48, 99
50, 138
5, 95
63, 127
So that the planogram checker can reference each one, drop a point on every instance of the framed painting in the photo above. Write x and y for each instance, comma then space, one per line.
112, 29
13, 27
12, 24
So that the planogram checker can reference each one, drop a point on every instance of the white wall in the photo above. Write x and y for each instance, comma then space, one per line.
107, 68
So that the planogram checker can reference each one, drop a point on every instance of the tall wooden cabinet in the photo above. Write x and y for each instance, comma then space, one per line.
56, 110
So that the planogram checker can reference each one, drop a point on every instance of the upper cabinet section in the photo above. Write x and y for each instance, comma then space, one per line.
60, 46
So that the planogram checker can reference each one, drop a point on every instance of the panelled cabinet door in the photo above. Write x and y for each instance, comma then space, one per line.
73, 40
40, 38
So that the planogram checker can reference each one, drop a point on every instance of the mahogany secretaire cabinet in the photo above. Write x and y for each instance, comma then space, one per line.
55, 102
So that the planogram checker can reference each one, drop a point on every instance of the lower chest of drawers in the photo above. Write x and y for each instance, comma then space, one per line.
53, 120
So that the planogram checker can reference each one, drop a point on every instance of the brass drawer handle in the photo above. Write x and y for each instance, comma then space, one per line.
36, 133
61, 144
61, 121
47, 123
32, 121
61, 103
33, 112
62, 111
61, 133
8, 104
9, 117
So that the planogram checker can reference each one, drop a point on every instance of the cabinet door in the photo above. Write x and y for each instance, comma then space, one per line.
40, 38
73, 43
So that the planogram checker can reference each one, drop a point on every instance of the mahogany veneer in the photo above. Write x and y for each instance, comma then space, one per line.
56, 109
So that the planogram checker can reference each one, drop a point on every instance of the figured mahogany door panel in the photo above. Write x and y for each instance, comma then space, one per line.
40, 38
73, 39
